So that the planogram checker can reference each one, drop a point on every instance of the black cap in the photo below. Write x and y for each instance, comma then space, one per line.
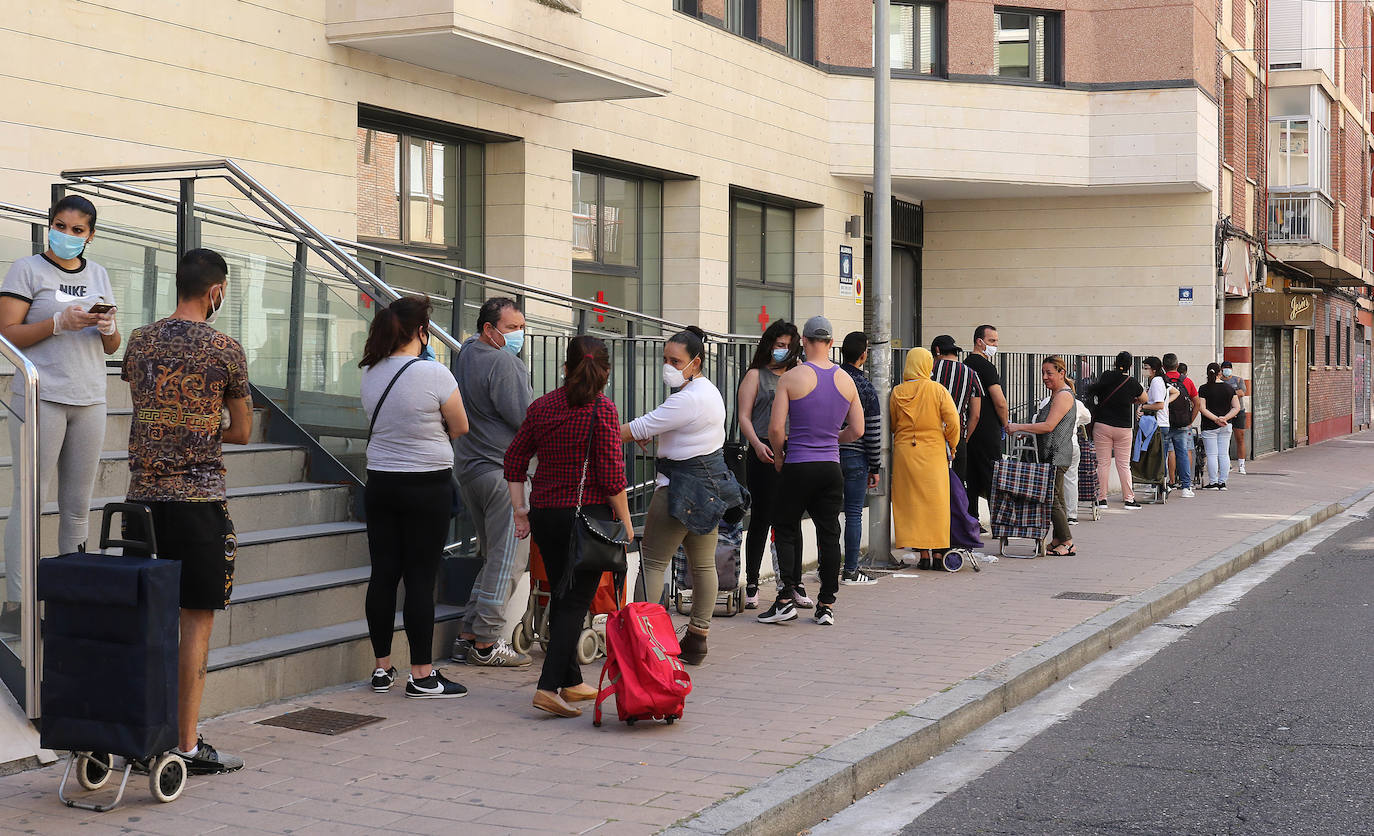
944, 344
1226, 364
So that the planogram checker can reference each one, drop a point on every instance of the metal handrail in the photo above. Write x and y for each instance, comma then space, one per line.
99, 177
29, 506
276, 208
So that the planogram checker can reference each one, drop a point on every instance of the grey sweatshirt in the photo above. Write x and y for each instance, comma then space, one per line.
496, 392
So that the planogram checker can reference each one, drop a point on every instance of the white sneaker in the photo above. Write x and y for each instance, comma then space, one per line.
1188, 493
1242, 467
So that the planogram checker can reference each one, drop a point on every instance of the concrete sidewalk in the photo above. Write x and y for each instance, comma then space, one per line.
768, 697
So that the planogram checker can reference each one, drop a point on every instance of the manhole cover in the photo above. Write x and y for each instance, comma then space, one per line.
1088, 596
321, 721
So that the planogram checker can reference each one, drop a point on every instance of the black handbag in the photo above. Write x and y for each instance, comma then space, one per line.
596, 545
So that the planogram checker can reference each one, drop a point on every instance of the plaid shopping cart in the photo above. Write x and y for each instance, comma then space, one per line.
1022, 490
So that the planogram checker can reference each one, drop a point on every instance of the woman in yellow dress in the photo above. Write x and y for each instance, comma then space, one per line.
925, 432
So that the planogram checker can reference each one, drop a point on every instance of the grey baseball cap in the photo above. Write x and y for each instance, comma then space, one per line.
818, 328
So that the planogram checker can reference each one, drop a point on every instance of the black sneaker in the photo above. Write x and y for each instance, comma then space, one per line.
1131, 505
1102, 503
1221, 486
780, 611
461, 649
208, 761
824, 615
382, 680
857, 578
434, 687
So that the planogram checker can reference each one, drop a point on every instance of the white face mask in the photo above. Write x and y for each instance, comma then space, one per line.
673, 378
991, 350
215, 309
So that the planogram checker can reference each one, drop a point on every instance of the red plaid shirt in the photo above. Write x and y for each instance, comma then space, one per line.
557, 435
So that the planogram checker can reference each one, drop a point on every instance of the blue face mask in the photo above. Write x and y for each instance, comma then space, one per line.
64, 245
780, 354
515, 340
427, 353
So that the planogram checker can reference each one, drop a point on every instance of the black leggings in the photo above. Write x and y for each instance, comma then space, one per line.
407, 524
763, 484
551, 529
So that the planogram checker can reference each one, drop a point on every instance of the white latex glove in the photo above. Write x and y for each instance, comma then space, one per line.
73, 318
105, 323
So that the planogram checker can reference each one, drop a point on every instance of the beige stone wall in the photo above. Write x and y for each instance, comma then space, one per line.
1086, 275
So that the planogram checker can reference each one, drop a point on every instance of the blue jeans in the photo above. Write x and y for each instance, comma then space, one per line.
855, 468
1182, 442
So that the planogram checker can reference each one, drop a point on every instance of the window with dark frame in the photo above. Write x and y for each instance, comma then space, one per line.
742, 17
687, 7
762, 264
916, 31
1027, 45
801, 30
1327, 339
421, 191
617, 240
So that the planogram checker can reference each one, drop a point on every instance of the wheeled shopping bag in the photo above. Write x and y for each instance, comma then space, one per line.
1087, 475
110, 642
533, 626
1022, 490
729, 593
1150, 466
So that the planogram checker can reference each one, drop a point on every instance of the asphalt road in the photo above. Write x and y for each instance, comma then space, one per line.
1260, 720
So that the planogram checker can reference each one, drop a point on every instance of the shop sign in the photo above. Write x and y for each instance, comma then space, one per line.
1290, 310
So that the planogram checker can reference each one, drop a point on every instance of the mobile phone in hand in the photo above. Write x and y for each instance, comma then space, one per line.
100, 308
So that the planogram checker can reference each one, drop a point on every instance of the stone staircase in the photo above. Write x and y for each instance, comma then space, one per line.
295, 621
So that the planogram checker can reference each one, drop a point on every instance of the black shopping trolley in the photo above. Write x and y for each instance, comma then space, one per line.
110, 642
1022, 490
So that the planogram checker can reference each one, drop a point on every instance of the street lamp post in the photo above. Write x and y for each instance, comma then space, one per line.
880, 275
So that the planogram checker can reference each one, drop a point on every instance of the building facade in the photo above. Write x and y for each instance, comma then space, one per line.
1061, 169
1310, 347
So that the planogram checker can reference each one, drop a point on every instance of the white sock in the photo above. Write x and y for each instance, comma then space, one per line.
190, 754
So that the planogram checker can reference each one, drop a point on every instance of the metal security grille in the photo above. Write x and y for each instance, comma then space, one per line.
1264, 393
1087, 596
321, 721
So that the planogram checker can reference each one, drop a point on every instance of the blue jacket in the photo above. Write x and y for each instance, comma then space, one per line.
702, 491
1143, 434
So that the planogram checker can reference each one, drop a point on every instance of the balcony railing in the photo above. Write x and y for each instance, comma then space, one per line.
1299, 219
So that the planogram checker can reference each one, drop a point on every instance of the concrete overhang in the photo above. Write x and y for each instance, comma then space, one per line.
521, 45
1321, 263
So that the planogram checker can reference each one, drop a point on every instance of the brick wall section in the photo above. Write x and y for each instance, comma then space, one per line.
1330, 387
378, 214
713, 9
773, 22
844, 33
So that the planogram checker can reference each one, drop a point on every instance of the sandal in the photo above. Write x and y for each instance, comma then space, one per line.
1068, 551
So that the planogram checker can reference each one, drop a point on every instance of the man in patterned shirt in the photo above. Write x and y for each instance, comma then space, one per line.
183, 374
967, 391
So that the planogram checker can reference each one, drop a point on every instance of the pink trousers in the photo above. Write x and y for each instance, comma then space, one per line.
1113, 443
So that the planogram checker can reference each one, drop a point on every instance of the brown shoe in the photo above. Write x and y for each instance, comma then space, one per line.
693, 647
578, 693
554, 704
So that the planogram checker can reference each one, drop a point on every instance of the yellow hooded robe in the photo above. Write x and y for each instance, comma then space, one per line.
924, 421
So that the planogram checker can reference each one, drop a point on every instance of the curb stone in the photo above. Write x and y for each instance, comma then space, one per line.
832, 779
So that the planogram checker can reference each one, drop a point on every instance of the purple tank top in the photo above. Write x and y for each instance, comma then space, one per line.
815, 420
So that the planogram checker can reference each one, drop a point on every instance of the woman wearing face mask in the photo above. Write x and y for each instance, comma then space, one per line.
1055, 424
58, 308
695, 488
778, 351
415, 410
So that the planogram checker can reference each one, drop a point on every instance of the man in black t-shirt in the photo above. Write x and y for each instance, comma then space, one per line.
985, 445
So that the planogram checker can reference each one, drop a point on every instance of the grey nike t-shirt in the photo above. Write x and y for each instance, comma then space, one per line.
71, 365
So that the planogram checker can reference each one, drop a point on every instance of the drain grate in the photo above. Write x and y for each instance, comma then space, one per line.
1088, 596
321, 721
